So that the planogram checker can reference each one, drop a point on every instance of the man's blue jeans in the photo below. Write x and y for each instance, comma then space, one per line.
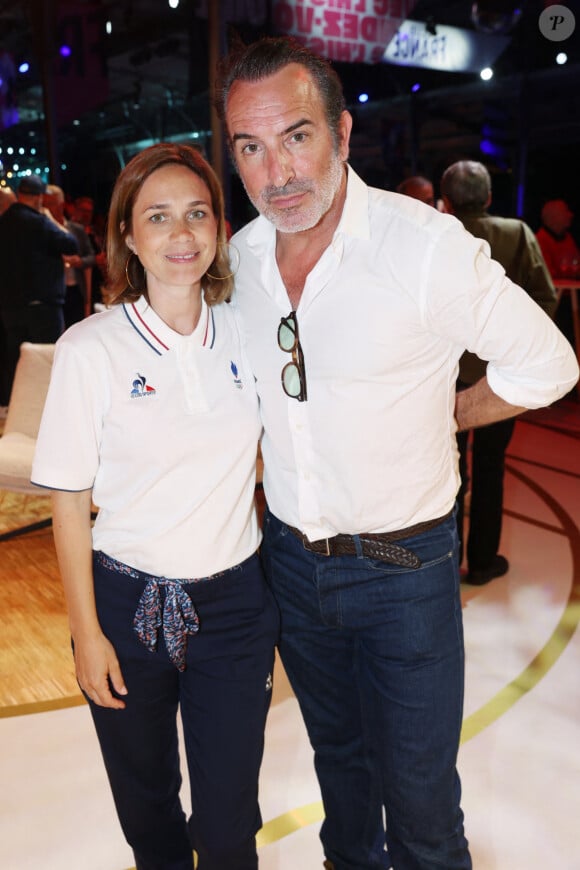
374, 653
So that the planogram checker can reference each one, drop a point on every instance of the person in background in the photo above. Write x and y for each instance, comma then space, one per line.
167, 602
32, 291
466, 190
7, 198
558, 245
78, 267
356, 305
84, 214
419, 188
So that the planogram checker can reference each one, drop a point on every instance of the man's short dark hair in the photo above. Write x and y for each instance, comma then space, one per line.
32, 185
269, 55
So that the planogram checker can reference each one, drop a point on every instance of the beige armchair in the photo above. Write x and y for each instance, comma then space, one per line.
22, 423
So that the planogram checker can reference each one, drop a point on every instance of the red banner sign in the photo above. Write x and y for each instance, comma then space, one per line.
355, 31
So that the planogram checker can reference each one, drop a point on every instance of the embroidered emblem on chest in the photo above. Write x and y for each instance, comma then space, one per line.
140, 389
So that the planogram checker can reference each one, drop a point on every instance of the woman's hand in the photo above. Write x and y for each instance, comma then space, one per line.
98, 670
96, 662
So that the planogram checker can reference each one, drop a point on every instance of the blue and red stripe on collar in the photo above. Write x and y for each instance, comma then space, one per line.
151, 335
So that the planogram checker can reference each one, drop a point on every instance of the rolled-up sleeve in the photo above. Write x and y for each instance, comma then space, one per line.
538, 366
530, 362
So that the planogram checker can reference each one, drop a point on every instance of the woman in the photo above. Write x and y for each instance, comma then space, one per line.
151, 414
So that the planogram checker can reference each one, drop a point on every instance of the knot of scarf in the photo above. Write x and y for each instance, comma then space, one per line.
178, 618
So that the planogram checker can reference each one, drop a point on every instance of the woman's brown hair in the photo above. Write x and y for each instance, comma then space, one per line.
125, 274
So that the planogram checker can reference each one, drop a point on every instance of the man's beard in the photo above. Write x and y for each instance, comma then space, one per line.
302, 217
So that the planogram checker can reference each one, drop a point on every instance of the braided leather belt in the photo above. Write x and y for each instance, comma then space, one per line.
381, 546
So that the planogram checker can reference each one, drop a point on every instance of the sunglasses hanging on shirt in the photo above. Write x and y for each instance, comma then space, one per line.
293, 373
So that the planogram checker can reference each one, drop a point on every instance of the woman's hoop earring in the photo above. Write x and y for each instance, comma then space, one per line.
132, 254
236, 267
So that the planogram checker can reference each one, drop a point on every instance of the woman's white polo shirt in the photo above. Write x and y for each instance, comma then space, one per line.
164, 429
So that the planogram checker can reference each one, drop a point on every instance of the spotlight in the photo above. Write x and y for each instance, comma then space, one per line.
363, 98
24, 67
416, 87
65, 51
561, 58
486, 74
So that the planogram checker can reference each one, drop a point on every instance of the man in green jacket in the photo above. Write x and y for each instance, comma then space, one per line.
466, 193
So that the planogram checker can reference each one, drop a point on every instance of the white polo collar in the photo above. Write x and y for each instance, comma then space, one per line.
159, 336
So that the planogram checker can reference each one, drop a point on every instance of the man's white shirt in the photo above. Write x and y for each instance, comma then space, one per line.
384, 317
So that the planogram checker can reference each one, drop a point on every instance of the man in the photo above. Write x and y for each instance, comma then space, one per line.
419, 188
466, 192
84, 213
558, 245
362, 302
32, 283
77, 303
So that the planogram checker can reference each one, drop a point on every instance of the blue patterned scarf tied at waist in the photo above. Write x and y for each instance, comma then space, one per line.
177, 617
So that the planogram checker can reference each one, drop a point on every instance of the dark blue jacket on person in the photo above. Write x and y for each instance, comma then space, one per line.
31, 264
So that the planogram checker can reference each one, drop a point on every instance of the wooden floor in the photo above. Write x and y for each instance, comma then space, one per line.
35, 656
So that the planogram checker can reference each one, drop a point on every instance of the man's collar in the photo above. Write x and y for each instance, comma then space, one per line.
355, 214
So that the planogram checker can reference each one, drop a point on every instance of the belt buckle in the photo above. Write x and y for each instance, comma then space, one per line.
325, 542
